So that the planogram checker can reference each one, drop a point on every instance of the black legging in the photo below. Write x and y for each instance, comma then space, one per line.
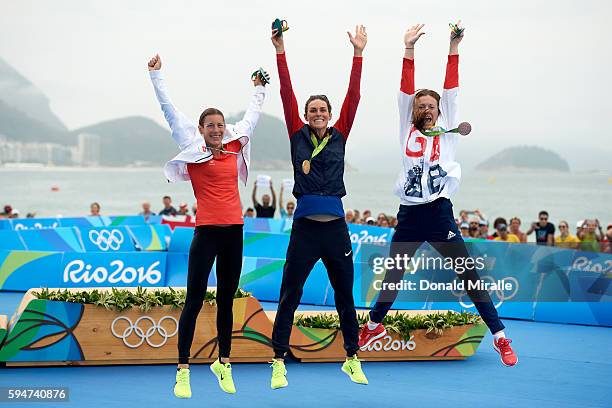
433, 222
224, 243
310, 241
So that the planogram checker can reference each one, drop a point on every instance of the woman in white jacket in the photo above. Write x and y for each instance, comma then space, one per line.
213, 156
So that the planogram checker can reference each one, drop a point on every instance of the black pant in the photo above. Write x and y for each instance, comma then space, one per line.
310, 241
224, 243
432, 222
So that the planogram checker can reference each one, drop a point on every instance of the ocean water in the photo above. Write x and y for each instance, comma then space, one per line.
120, 191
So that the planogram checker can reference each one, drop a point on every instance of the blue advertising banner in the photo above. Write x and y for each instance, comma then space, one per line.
359, 233
523, 281
122, 220
96, 221
154, 219
275, 226
22, 270
262, 277
34, 223
81, 222
151, 237
92, 269
106, 239
265, 245
181, 239
545, 284
10, 239
368, 234
274, 245
56, 239
176, 270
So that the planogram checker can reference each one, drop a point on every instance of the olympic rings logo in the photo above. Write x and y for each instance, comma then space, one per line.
105, 239
144, 334
499, 293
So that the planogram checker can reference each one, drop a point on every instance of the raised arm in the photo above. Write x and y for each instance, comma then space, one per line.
247, 125
448, 102
290, 106
351, 100
531, 229
406, 95
273, 194
601, 234
184, 132
254, 195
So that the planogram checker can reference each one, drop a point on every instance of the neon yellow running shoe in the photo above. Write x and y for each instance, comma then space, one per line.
279, 374
352, 368
223, 372
182, 389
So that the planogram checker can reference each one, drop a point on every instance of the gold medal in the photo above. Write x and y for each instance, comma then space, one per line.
306, 166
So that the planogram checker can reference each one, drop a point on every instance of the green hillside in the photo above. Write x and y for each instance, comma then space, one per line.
20, 94
525, 157
139, 139
18, 126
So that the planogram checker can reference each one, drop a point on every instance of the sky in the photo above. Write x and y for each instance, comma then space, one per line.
531, 72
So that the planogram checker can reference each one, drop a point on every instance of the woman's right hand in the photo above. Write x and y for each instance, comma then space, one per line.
155, 63
278, 42
412, 35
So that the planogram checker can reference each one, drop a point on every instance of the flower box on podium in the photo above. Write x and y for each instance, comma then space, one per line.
132, 326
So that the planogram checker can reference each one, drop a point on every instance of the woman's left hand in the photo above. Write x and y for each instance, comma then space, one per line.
457, 40
359, 40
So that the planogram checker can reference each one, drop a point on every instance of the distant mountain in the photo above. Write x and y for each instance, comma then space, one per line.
20, 94
270, 143
132, 139
25, 117
525, 157
18, 126
138, 139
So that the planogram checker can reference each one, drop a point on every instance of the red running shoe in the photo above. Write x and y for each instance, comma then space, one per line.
502, 346
367, 336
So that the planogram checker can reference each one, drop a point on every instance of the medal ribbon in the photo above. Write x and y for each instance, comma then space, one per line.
318, 147
437, 131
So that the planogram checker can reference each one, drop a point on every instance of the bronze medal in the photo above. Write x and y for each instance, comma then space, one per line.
306, 166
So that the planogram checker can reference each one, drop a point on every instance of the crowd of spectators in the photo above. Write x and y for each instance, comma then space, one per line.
588, 235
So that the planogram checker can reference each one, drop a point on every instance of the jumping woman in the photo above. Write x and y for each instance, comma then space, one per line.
319, 230
429, 177
213, 156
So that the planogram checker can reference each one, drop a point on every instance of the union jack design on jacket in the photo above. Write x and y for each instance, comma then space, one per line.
429, 168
